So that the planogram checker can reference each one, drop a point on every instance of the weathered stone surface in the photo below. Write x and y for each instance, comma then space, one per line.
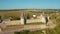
0, 29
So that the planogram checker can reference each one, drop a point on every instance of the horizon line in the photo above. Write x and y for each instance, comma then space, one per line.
24, 9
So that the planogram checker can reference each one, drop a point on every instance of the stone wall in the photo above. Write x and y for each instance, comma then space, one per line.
35, 20
18, 22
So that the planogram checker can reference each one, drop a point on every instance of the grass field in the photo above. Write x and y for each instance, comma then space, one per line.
55, 30
29, 32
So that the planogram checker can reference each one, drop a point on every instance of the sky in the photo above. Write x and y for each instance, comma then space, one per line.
29, 4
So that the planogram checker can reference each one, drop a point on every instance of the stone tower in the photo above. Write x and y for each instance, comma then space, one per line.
23, 18
44, 18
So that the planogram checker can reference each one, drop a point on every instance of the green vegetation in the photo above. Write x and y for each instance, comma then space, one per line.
14, 25
29, 32
55, 30
35, 23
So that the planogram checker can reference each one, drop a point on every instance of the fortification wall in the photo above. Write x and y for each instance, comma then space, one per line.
18, 22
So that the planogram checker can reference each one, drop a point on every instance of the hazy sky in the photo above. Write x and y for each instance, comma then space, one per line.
23, 4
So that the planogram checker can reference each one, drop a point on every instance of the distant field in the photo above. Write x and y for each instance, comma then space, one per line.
10, 13
6, 14
18, 13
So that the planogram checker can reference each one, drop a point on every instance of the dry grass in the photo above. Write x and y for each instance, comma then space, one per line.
10, 13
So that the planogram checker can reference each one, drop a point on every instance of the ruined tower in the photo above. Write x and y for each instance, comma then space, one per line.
44, 18
23, 18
